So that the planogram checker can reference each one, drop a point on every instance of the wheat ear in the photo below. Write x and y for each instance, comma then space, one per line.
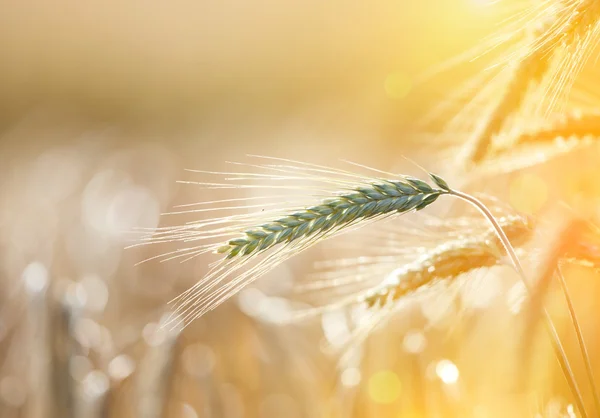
572, 26
260, 241
397, 271
564, 134
367, 202
559, 136
282, 237
450, 260
402, 270
568, 125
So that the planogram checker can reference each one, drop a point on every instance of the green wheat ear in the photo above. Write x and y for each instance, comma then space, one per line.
251, 244
377, 199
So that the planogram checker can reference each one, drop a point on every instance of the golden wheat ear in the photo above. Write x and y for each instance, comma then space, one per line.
399, 265
251, 243
568, 133
541, 54
398, 262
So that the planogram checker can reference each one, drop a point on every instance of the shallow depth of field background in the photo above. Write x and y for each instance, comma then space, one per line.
102, 107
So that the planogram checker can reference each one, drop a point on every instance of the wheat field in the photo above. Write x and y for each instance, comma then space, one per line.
299, 209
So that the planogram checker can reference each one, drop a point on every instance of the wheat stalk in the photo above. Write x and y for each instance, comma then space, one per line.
580, 340
566, 231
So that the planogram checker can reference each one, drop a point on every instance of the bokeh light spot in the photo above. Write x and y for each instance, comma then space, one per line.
384, 387
447, 371
528, 193
397, 85
121, 367
414, 341
35, 277
95, 384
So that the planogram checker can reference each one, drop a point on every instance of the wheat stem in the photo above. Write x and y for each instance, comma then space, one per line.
556, 343
580, 340
492, 219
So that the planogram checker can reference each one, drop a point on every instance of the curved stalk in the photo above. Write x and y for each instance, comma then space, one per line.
556, 344
580, 340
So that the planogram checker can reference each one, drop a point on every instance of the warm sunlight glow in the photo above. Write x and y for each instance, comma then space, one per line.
484, 3
398, 85
528, 193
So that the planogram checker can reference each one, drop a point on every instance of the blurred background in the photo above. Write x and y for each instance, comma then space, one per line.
103, 106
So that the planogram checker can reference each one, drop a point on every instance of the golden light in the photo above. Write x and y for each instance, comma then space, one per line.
384, 387
484, 3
